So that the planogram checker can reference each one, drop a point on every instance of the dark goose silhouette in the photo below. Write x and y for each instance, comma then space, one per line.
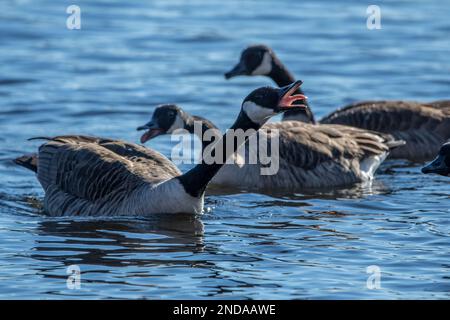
441, 164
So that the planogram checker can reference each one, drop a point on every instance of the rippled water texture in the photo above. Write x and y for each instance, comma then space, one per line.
106, 78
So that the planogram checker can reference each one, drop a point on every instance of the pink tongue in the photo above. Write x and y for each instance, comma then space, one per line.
149, 134
145, 137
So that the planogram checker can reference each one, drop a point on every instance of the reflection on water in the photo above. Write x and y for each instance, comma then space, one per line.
357, 190
108, 76
120, 243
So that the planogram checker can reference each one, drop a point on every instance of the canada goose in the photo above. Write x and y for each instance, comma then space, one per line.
440, 165
310, 156
424, 127
103, 177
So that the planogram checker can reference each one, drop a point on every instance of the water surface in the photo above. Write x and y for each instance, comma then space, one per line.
106, 79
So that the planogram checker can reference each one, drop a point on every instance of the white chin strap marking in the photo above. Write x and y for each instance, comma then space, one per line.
177, 124
265, 67
257, 113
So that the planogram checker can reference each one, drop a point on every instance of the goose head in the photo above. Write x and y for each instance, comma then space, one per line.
266, 102
256, 60
165, 120
440, 165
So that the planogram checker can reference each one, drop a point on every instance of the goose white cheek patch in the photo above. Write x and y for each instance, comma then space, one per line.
177, 124
265, 67
257, 113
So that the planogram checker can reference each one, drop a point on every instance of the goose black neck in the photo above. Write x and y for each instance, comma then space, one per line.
205, 126
282, 77
197, 179
280, 74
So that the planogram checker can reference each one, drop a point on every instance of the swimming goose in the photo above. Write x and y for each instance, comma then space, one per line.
103, 177
423, 126
440, 165
310, 156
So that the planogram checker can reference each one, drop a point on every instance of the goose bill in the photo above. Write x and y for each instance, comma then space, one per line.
287, 98
152, 131
239, 69
150, 134
436, 166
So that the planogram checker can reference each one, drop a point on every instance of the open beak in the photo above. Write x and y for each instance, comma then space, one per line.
239, 70
287, 98
153, 130
437, 166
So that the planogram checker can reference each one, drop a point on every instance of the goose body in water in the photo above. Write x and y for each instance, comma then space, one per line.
423, 126
441, 164
310, 156
90, 176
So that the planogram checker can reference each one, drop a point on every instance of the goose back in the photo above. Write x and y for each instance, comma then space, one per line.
312, 156
424, 127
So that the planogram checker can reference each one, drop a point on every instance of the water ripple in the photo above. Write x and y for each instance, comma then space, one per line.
107, 77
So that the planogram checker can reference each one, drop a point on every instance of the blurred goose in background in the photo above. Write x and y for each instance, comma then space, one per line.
90, 176
423, 126
310, 156
440, 165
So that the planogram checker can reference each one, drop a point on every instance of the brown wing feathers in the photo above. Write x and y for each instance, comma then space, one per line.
307, 146
84, 174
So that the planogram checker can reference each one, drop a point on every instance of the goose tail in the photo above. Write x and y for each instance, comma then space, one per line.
390, 141
40, 138
28, 161
395, 143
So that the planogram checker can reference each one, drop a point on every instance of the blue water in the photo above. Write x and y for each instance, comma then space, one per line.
128, 57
